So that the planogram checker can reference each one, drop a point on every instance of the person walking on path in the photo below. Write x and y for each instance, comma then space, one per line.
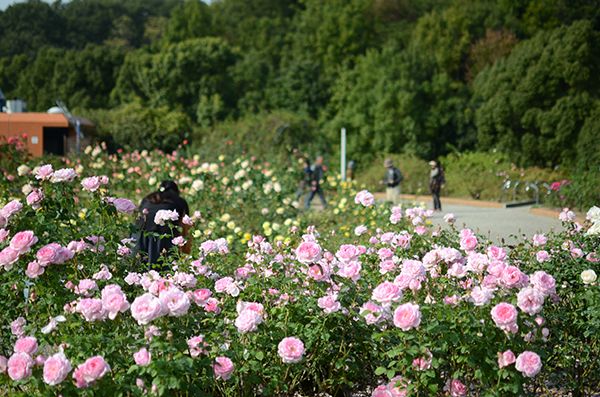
318, 173
156, 240
306, 178
392, 179
436, 181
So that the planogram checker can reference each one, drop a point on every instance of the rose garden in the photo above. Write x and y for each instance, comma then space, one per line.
360, 298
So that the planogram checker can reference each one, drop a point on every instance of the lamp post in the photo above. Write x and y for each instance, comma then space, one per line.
343, 154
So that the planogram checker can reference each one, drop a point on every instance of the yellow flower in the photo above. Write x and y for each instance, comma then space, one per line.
231, 225
221, 157
197, 233
247, 236
225, 218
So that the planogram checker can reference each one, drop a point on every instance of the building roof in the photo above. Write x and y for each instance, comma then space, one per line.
46, 119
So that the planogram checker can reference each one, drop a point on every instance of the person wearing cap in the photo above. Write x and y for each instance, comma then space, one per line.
436, 181
154, 241
392, 179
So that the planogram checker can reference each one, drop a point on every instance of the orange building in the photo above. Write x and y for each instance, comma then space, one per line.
46, 133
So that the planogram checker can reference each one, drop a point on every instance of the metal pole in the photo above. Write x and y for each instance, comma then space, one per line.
343, 155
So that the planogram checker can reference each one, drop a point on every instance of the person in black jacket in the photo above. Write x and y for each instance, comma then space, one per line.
318, 174
155, 241
436, 181
391, 180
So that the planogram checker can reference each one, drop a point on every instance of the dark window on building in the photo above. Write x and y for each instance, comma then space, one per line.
55, 139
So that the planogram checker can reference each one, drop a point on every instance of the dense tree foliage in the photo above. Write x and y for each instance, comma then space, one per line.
425, 77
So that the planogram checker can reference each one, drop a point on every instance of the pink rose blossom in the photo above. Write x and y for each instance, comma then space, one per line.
63, 175
308, 252
530, 300
124, 205
407, 316
512, 277
528, 363
542, 256
178, 241
44, 172
456, 388
114, 300
34, 269
291, 350
49, 254
3, 364
347, 253
350, 270
146, 308
85, 287
223, 368
505, 316
22, 241
175, 301
91, 184
481, 295
386, 293
329, 304
90, 371
4, 233
539, 240
200, 296
360, 230
16, 327
34, 198
11, 208
142, 357
365, 198
372, 312
248, 321
19, 366
496, 253
56, 369
468, 240
505, 359
27, 345
91, 309
8, 257
543, 282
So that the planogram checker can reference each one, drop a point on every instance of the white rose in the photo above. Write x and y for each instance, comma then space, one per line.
588, 276
23, 170
593, 215
594, 229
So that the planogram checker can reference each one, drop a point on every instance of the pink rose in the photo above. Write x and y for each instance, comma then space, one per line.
44, 172
505, 359
146, 308
4, 233
543, 282
223, 284
11, 208
381, 391
197, 346
347, 253
3, 364
178, 241
407, 316
114, 300
371, 312
35, 198
142, 357
49, 254
528, 363
27, 345
56, 369
481, 295
365, 198
34, 269
175, 301
512, 277
91, 184
248, 321
22, 241
329, 304
201, 295
8, 257
456, 388
63, 175
468, 241
290, 350
386, 293
542, 256
539, 240
504, 315
360, 230
496, 253
530, 300
16, 327
85, 287
308, 252
350, 270
223, 368
19, 366
90, 371
124, 205
91, 309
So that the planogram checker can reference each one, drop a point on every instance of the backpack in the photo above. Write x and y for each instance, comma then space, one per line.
398, 177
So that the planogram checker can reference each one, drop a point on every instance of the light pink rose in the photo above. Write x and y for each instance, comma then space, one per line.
350, 270
539, 240
90, 371
146, 308
63, 175
34, 198
44, 172
512, 276
468, 240
27, 345
347, 253
530, 300
85, 287
381, 391
371, 312
91, 184
223, 368
360, 230
248, 321
365, 198
19, 366
197, 346
528, 363
124, 205
22, 241
200, 296
506, 358
91, 309
407, 316
496, 253
222, 284
308, 252
142, 357
3, 364
178, 241
481, 295
49, 254
114, 300
456, 388
56, 369
34, 269
3, 232
386, 293
504, 315
542, 256
543, 282
16, 327
291, 350
329, 304
8, 257
476, 262
11, 208
175, 301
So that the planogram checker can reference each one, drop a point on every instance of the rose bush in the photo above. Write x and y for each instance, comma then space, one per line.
271, 301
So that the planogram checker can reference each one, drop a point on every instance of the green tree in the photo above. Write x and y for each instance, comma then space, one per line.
534, 102
190, 19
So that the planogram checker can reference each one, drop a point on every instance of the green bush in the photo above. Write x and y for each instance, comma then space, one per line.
414, 169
